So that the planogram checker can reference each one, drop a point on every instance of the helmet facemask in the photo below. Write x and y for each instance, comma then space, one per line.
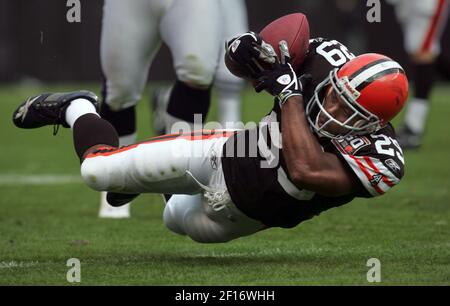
360, 122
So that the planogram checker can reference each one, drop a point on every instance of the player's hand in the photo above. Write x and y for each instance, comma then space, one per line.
250, 52
281, 81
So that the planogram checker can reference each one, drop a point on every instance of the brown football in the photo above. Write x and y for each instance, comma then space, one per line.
294, 29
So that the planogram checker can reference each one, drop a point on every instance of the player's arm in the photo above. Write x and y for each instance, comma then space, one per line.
308, 166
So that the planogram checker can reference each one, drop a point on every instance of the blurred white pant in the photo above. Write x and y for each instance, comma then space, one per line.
235, 22
133, 31
228, 86
209, 217
423, 22
187, 166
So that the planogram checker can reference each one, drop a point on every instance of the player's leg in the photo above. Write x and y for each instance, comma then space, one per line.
422, 23
234, 21
209, 217
188, 167
91, 134
77, 110
171, 164
158, 103
194, 216
192, 30
129, 41
229, 87
167, 164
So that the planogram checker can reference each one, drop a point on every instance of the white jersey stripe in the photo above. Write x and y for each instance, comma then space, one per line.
384, 170
365, 180
385, 187
291, 189
361, 175
382, 185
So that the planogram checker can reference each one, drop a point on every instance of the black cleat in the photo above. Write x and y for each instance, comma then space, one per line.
407, 139
48, 109
119, 199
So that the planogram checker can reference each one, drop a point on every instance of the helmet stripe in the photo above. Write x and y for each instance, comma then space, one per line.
378, 76
367, 75
365, 67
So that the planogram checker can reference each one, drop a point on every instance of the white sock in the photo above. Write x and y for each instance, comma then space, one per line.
78, 108
416, 115
229, 108
127, 140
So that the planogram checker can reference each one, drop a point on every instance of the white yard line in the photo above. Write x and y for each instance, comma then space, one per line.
36, 180
14, 264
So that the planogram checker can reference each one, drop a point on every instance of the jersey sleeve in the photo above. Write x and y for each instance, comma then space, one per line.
377, 160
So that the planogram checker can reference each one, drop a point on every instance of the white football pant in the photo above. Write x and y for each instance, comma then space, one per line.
132, 34
228, 86
195, 32
423, 22
188, 167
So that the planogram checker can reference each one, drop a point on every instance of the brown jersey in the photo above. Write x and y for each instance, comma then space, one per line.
256, 174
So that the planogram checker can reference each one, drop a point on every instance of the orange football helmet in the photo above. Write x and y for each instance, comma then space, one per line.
373, 86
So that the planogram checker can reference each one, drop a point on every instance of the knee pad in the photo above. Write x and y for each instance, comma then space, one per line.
94, 174
120, 94
196, 72
105, 173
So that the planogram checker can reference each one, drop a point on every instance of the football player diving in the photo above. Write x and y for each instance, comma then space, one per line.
326, 141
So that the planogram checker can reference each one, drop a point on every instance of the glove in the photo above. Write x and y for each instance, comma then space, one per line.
281, 82
247, 55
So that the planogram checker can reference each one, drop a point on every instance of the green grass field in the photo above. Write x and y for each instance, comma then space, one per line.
43, 223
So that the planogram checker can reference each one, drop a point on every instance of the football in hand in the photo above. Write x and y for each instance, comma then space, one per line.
292, 28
